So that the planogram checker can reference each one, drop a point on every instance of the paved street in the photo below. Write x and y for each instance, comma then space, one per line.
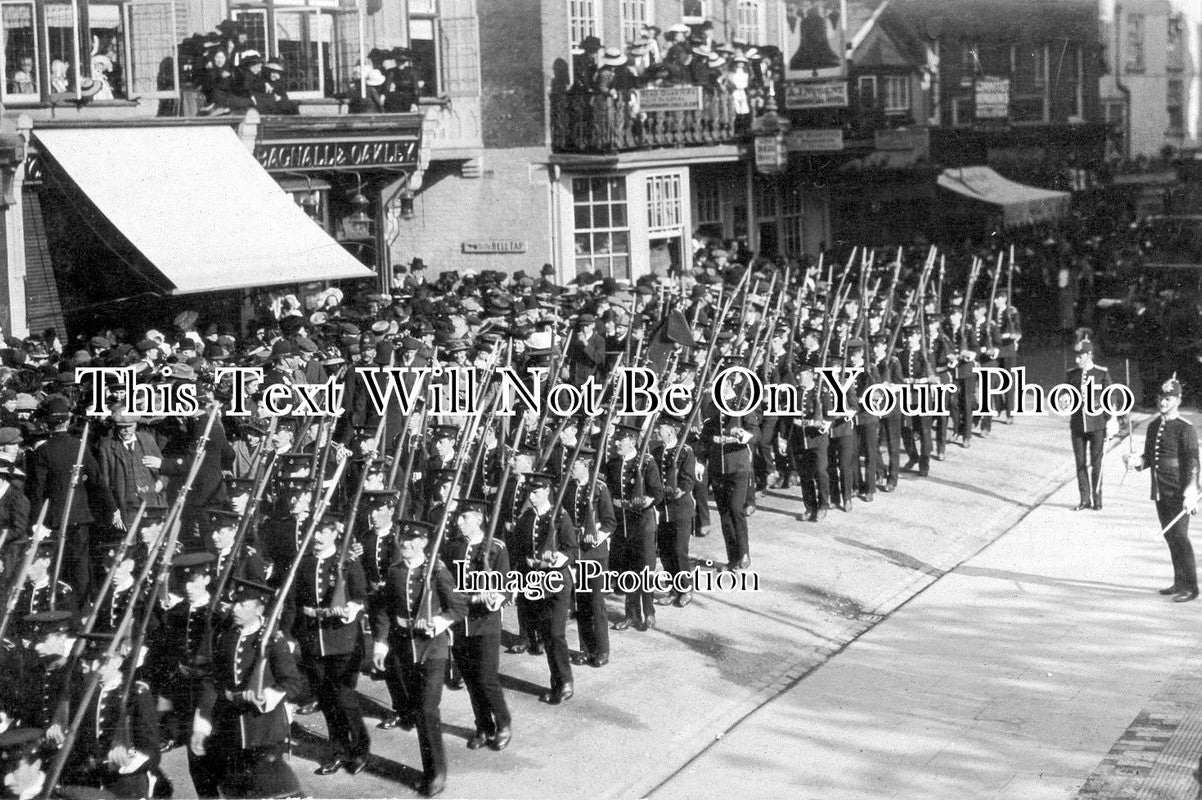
732, 677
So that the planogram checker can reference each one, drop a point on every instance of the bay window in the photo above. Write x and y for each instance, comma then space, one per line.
130, 50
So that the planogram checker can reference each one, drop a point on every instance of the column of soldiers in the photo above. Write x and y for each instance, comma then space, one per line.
197, 581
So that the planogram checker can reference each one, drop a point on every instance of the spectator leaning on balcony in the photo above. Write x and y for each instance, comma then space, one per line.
234, 42
270, 96
737, 81
586, 60
614, 77
402, 86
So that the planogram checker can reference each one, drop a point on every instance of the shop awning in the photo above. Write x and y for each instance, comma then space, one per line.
196, 204
1020, 204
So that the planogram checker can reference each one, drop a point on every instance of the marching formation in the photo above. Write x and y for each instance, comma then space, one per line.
196, 581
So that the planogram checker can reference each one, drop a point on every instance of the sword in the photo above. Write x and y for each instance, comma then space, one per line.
1174, 521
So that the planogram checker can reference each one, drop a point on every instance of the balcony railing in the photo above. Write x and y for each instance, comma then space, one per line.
601, 123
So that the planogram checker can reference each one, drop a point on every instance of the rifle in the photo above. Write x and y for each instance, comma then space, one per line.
506, 469
76, 470
997, 274
14, 589
1130, 431
259, 676
408, 437
338, 599
440, 530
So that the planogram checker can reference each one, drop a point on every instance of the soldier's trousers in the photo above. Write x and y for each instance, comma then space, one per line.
77, 561
479, 658
553, 630
964, 404
867, 434
889, 434
256, 772
423, 693
920, 428
673, 537
1185, 570
811, 467
527, 620
764, 458
591, 623
701, 499
1088, 449
731, 493
1007, 404
333, 679
842, 459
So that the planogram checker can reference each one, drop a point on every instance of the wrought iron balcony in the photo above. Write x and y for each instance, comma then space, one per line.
603, 123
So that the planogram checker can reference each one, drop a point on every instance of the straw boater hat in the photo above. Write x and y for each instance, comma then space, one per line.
614, 57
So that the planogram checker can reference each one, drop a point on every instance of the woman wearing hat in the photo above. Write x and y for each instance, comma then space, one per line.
736, 81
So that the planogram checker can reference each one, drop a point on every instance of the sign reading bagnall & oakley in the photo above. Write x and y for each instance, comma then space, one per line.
337, 155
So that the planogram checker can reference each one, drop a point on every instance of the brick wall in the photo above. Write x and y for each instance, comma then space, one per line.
508, 202
512, 91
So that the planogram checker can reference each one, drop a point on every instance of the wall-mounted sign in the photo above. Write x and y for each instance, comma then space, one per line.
486, 246
814, 140
770, 154
816, 94
336, 155
915, 139
671, 98
993, 98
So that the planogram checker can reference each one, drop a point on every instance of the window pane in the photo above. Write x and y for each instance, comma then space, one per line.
299, 35
152, 64
60, 41
583, 246
108, 43
580, 190
621, 242
19, 49
620, 267
582, 218
421, 42
255, 25
601, 216
618, 212
617, 188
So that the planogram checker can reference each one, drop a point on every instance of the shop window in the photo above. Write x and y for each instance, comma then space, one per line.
749, 27
707, 210
602, 229
664, 207
1175, 106
895, 90
635, 14
582, 20
1176, 56
62, 46
20, 53
694, 12
1135, 43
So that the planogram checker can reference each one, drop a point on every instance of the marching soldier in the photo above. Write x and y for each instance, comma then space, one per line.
867, 424
595, 525
676, 526
888, 372
943, 360
982, 340
379, 553
476, 639
1088, 431
916, 376
842, 452
635, 486
808, 443
1010, 329
726, 444
545, 541
965, 376
241, 716
330, 643
412, 620
1171, 452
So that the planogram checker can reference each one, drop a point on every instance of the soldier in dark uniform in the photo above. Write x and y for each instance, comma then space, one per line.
175, 663
35, 595
916, 375
379, 551
888, 373
330, 643
586, 352
245, 725
677, 510
40, 673
50, 468
545, 541
286, 526
635, 489
476, 639
126, 765
943, 360
514, 499
1088, 431
1010, 330
842, 452
120, 594
982, 339
594, 527
247, 564
867, 425
411, 621
22, 771
725, 443
1171, 452
809, 438
964, 401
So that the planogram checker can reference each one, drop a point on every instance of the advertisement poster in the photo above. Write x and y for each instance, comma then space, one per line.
815, 39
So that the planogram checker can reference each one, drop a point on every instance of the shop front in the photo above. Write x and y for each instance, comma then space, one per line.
126, 225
